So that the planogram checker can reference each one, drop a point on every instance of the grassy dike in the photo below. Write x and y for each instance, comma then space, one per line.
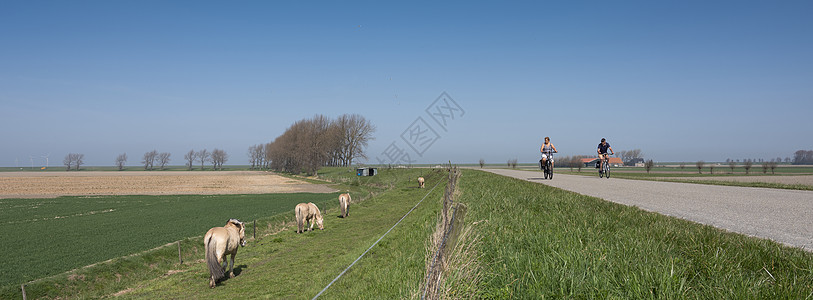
549, 243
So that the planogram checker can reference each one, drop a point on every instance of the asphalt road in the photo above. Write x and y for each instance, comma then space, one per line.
785, 216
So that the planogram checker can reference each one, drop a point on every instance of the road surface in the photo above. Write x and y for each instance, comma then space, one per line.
785, 216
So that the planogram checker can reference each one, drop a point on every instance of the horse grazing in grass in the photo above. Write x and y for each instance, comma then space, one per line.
344, 204
308, 213
420, 182
222, 241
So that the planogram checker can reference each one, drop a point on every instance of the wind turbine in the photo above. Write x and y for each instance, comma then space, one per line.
31, 157
46, 159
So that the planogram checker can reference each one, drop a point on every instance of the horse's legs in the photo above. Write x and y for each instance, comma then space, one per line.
231, 266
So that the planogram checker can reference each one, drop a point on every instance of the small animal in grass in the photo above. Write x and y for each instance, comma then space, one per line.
219, 242
420, 182
308, 213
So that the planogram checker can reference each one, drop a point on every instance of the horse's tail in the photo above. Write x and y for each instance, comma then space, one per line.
343, 205
299, 219
211, 259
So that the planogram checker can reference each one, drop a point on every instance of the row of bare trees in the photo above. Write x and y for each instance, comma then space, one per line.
217, 158
311, 143
153, 157
747, 164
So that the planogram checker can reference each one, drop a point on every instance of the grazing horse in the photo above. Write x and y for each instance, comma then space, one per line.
222, 241
344, 204
307, 213
420, 182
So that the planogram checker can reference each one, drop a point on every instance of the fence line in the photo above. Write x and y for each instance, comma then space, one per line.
448, 199
376, 242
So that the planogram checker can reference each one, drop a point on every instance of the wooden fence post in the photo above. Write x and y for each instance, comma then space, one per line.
179, 252
22, 286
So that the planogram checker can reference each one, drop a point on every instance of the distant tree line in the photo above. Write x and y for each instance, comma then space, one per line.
631, 157
311, 143
803, 157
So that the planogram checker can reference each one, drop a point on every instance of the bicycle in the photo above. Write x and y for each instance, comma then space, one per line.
604, 171
547, 167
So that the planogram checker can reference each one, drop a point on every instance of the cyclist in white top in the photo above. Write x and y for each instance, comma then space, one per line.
546, 149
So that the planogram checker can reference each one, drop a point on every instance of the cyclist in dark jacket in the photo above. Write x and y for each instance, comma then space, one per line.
602, 152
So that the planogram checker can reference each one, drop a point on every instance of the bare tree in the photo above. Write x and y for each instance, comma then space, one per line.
219, 157
121, 160
711, 168
68, 161
267, 155
256, 155
577, 160
732, 165
747, 164
699, 165
482, 163
203, 157
356, 132
765, 166
163, 159
572, 161
149, 159
648, 165
79, 160
773, 164
190, 158
682, 165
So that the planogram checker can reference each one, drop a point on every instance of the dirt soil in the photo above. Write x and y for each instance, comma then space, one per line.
53, 184
800, 179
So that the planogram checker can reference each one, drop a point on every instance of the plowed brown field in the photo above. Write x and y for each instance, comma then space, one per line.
51, 184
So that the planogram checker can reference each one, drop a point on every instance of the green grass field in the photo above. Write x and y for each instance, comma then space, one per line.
534, 242
51, 236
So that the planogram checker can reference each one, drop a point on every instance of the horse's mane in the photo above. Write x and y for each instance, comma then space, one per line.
234, 222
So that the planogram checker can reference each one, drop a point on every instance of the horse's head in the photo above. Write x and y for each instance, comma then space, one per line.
241, 229
320, 221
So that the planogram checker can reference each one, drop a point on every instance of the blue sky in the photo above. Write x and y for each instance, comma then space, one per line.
683, 80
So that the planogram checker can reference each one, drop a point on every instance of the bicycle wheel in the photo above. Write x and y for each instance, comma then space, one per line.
607, 170
551, 173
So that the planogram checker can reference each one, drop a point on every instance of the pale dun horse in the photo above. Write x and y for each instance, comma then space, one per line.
344, 204
308, 213
222, 241
420, 182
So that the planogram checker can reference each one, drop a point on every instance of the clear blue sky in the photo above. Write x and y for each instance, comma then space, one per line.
681, 80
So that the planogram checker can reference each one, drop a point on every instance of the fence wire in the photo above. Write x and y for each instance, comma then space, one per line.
376, 242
